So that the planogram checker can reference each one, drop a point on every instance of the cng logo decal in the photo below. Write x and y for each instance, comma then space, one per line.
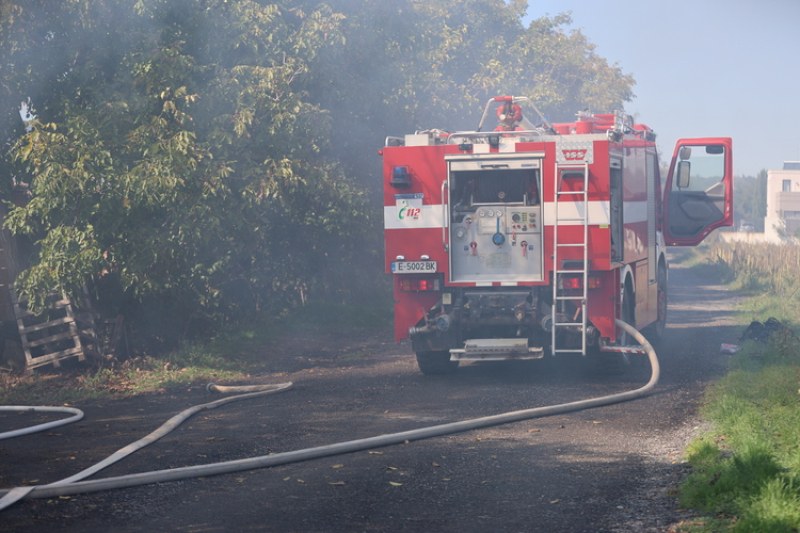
409, 206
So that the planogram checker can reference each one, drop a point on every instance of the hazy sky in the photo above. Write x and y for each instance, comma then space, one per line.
704, 68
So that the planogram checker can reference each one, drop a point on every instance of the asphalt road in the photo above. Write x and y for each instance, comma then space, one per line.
609, 469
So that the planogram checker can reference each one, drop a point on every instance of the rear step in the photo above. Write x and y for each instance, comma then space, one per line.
495, 350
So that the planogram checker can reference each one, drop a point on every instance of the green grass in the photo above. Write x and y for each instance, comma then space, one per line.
244, 350
746, 472
134, 376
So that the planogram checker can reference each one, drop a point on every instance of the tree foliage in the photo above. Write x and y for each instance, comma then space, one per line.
214, 158
750, 201
410, 65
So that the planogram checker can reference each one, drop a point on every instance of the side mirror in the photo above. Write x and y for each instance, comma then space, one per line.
684, 171
685, 153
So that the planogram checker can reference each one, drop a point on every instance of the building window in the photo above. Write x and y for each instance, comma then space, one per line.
787, 186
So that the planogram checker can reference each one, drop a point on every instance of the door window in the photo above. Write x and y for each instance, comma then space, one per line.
697, 196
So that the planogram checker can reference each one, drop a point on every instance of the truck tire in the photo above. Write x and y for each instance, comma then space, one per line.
620, 363
629, 362
628, 313
436, 363
655, 331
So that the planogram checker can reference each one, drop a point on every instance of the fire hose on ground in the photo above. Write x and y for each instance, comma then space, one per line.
77, 414
73, 484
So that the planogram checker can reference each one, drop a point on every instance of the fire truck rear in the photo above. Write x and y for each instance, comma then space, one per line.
528, 241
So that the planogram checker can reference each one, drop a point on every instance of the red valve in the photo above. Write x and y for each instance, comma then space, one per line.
524, 246
473, 246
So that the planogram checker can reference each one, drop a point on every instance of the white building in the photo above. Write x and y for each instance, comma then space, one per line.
783, 202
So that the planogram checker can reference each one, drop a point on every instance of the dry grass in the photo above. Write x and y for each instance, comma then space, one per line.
760, 266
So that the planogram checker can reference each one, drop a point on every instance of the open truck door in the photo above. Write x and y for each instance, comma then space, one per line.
698, 194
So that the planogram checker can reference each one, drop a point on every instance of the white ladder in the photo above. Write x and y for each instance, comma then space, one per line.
578, 202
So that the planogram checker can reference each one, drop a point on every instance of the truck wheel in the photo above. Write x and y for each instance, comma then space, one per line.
435, 363
628, 314
619, 363
657, 329
634, 363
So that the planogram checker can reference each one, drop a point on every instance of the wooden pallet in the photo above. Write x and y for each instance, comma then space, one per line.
50, 337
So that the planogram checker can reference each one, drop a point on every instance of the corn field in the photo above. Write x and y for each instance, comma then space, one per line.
771, 268
769, 272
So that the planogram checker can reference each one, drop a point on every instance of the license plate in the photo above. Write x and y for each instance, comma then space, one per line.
413, 267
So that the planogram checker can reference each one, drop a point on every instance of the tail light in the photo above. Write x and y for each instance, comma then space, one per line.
576, 282
420, 283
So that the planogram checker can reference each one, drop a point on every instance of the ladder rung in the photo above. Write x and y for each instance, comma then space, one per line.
570, 219
568, 324
50, 324
563, 298
569, 193
565, 271
64, 335
570, 244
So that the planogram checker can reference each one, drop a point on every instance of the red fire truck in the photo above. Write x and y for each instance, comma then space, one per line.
526, 241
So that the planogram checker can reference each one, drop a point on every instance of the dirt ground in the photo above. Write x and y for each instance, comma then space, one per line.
610, 469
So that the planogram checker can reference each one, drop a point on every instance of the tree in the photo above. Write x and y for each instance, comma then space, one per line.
750, 201
410, 65
562, 71
183, 161
216, 158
